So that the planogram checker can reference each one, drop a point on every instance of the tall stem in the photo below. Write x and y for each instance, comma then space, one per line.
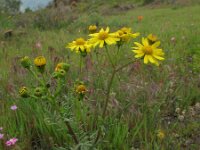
37, 78
109, 57
108, 95
106, 103
69, 127
80, 65
72, 132
59, 88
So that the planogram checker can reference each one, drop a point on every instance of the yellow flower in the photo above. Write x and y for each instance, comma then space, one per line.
150, 53
160, 134
92, 28
23, 92
125, 34
79, 45
40, 61
152, 38
103, 37
81, 89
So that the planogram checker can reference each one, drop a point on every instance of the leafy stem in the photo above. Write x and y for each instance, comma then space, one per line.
108, 94
37, 78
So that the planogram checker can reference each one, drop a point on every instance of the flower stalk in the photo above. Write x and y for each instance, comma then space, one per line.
108, 94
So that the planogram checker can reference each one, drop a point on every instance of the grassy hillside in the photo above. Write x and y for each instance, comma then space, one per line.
144, 100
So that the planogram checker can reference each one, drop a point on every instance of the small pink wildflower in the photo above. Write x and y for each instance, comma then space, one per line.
1, 128
1, 136
14, 107
11, 142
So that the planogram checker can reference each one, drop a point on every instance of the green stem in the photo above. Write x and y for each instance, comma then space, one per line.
32, 96
110, 85
59, 88
80, 65
109, 57
37, 78
69, 127
71, 131
108, 95
117, 54
46, 88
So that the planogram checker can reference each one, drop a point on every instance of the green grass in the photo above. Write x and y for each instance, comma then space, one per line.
143, 98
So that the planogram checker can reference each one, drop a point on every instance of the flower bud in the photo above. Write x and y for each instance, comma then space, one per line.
63, 66
39, 91
81, 90
23, 92
40, 63
92, 28
59, 74
62, 73
25, 62
152, 38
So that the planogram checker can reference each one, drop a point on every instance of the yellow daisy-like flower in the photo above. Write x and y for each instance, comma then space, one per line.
125, 34
103, 37
40, 61
150, 53
160, 134
79, 45
152, 38
92, 28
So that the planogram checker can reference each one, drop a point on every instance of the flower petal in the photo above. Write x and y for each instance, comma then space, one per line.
146, 59
156, 44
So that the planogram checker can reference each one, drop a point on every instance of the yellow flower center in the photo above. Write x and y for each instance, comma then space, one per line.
80, 41
148, 50
103, 35
120, 33
125, 30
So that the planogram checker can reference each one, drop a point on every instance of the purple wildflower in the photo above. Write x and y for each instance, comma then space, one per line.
1, 136
11, 142
14, 107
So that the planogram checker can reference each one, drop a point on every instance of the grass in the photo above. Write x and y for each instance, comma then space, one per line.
143, 98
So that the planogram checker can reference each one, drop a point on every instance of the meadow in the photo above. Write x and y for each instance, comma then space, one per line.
105, 98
